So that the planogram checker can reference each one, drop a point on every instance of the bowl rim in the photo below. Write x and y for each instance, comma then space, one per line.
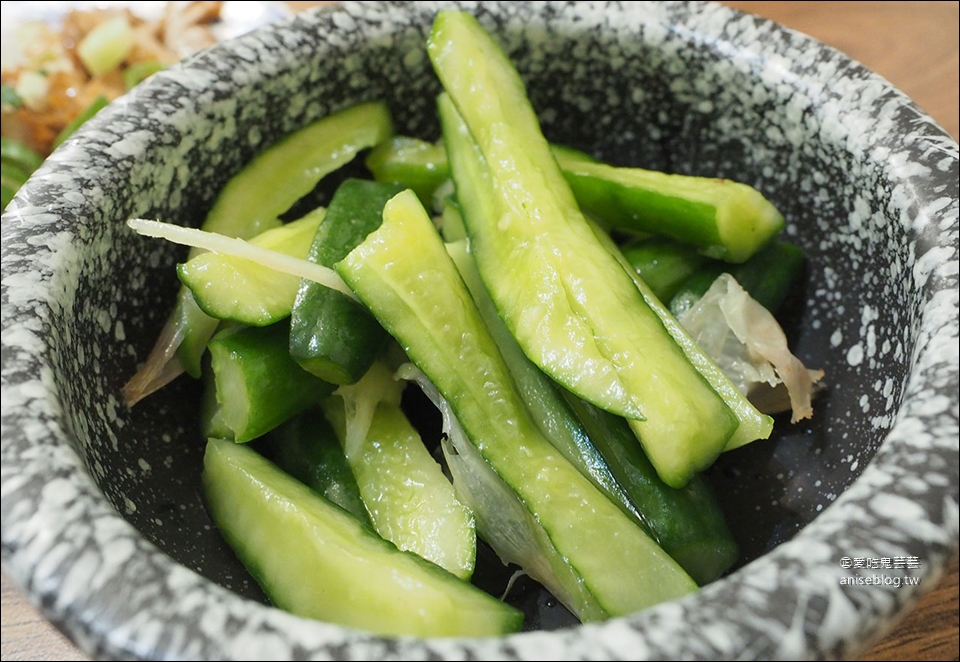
29, 398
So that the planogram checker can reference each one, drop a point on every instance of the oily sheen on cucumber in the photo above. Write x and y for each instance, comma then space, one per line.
541, 395
592, 556
410, 501
316, 560
410, 162
724, 219
422, 166
571, 306
687, 523
253, 385
307, 448
268, 186
232, 288
751, 423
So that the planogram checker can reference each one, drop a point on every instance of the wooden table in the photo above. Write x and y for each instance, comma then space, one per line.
913, 45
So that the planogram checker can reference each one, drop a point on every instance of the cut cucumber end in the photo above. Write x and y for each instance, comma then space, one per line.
746, 222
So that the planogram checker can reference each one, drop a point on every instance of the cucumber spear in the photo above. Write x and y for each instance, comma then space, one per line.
570, 304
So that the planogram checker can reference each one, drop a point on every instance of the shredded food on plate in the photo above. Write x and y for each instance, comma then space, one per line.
63, 70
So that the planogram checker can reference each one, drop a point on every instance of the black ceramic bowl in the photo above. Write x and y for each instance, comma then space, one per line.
103, 523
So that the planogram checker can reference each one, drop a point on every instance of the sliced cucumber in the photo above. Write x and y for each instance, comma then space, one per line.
687, 523
231, 288
751, 423
597, 560
331, 335
289, 169
269, 185
663, 264
541, 396
725, 219
422, 166
768, 277
316, 560
254, 385
412, 163
307, 448
570, 305
410, 502
251, 203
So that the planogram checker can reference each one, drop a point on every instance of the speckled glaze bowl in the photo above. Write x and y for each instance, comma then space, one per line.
844, 521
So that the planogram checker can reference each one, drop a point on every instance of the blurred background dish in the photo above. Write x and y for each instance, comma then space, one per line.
236, 18
62, 62
913, 68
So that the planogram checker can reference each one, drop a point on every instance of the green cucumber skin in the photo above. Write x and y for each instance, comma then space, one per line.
443, 334
615, 205
688, 523
254, 383
195, 328
751, 424
307, 448
477, 199
770, 274
315, 560
231, 288
422, 166
693, 288
451, 221
412, 163
663, 264
331, 335
724, 219
291, 167
542, 396
687, 423
768, 277
253, 200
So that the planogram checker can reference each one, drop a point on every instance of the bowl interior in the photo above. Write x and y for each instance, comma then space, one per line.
645, 90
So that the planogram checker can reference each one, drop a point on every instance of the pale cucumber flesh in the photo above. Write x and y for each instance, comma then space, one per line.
613, 567
316, 560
